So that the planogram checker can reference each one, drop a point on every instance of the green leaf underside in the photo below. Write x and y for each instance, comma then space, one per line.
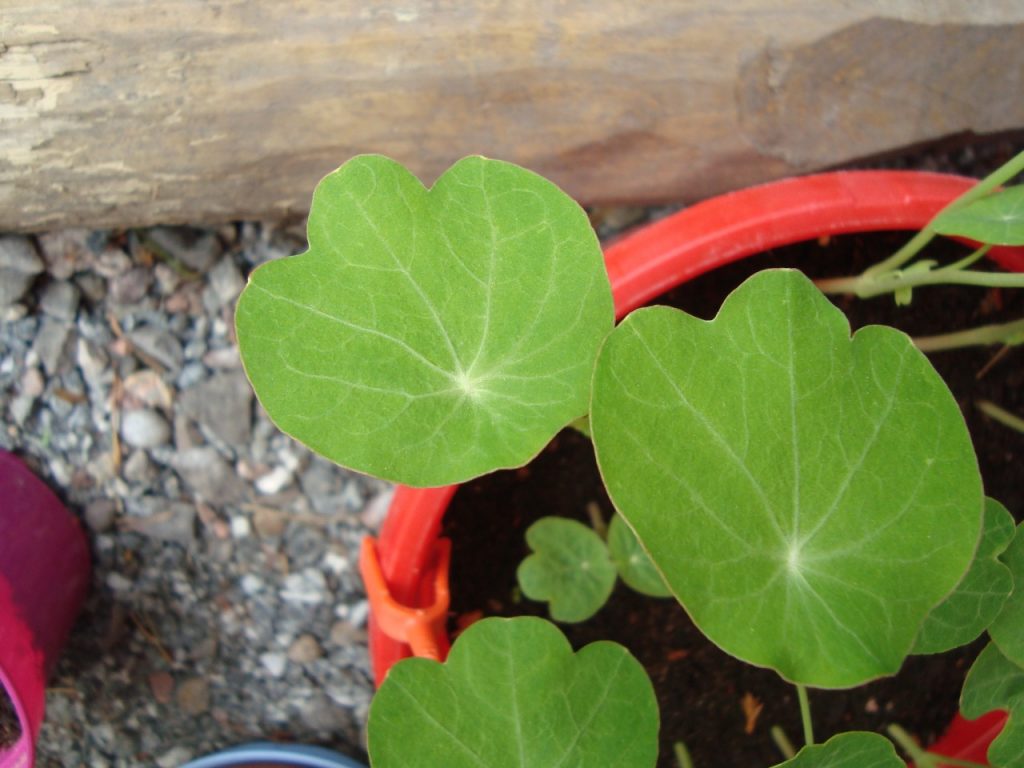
978, 599
855, 749
995, 682
632, 562
997, 219
808, 497
569, 568
427, 337
513, 693
1007, 630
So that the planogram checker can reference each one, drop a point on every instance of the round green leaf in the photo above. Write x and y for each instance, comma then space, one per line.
513, 694
997, 219
429, 336
632, 562
979, 598
854, 749
1007, 630
995, 682
569, 568
808, 497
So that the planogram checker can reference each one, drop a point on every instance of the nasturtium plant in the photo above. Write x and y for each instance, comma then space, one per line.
569, 568
1007, 630
809, 497
573, 569
996, 682
632, 562
997, 219
856, 749
980, 596
429, 336
513, 693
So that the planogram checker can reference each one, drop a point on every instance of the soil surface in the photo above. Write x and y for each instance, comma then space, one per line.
708, 699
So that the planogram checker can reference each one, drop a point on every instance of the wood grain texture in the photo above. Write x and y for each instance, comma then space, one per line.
118, 113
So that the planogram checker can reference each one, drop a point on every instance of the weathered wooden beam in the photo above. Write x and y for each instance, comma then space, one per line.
118, 112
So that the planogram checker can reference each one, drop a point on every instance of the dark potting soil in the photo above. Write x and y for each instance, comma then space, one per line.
708, 699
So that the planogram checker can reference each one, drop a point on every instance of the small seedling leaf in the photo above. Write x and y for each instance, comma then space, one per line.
632, 562
808, 497
854, 749
569, 569
511, 694
1007, 630
995, 682
997, 219
429, 336
979, 598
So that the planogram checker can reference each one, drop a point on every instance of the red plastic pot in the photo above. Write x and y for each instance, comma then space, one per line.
641, 266
44, 576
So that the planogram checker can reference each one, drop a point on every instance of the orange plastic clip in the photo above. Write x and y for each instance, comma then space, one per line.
417, 627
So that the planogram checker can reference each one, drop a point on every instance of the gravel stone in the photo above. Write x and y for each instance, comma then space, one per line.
131, 286
51, 343
183, 647
223, 405
19, 265
161, 519
67, 251
269, 523
274, 663
194, 696
226, 282
305, 649
59, 299
208, 476
194, 248
160, 344
145, 428
99, 514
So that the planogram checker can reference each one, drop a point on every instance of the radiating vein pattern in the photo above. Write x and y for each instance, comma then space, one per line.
428, 336
808, 496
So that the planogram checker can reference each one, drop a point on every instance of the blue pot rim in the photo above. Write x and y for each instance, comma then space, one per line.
291, 754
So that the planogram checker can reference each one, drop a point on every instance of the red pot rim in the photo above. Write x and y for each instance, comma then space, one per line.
644, 264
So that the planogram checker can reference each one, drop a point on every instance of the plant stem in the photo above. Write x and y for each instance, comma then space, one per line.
597, 520
1005, 418
923, 758
861, 285
805, 714
896, 280
982, 336
997, 178
683, 759
783, 743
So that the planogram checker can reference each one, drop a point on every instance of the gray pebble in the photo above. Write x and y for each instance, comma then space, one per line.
161, 519
50, 344
208, 476
225, 283
160, 344
99, 514
144, 428
66, 252
274, 663
194, 248
19, 264
130, 287
223, 405
60, 300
